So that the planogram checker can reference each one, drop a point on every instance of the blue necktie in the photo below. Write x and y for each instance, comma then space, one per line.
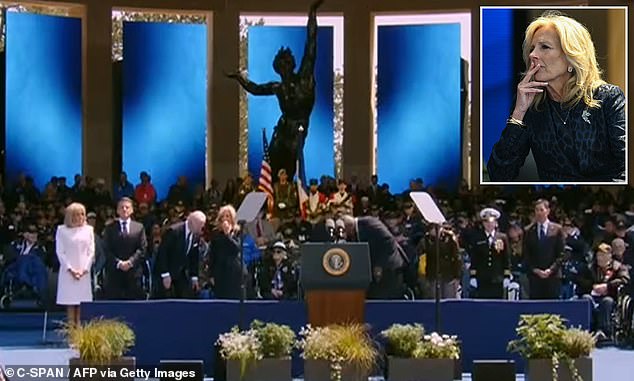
188, 242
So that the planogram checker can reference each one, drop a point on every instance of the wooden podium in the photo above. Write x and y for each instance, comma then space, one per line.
335, 277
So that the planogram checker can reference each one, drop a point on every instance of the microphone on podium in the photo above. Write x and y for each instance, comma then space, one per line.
340, 230
330, 228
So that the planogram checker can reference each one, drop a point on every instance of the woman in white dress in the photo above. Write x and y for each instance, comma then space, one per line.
75, 247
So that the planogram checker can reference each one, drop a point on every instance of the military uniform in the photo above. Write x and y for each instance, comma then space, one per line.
285, 200
490, 260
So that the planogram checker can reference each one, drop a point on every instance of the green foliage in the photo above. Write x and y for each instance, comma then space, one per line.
276, 341
403, 339
546, 336
540, 336
100, 341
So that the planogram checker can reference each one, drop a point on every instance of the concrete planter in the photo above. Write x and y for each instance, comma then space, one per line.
407, 369
541, 369
262, 370
319, 370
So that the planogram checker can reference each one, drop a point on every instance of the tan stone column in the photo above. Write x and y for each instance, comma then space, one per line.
223, 104
98, 143
358, 155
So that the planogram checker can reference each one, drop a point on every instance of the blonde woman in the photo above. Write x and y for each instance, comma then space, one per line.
75, 247
572, 120
224, 255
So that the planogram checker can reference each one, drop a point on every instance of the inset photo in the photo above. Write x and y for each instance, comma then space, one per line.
553, 95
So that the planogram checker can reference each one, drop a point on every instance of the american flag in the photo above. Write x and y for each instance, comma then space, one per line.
301, 192
266, 179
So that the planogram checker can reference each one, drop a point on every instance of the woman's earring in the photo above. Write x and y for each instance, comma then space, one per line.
569, 69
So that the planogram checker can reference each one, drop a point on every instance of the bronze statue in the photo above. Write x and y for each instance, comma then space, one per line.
296, 96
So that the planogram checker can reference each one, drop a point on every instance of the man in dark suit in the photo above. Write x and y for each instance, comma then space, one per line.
387, 258
125, 245
178, 258
543, 253
489, 249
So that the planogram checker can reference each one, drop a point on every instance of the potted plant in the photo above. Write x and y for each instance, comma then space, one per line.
414, 356
101, 343
337, 352
262, 353
240, 350
545, 342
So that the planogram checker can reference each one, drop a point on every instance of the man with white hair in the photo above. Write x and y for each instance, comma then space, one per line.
387, 258
618, 249
178, 257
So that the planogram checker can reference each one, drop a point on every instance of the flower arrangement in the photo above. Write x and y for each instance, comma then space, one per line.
339, 345
261, 341
403, 339
436, 346
239, 345
410, 341
545, 336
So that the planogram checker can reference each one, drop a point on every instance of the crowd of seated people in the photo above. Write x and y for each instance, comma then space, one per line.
498, 241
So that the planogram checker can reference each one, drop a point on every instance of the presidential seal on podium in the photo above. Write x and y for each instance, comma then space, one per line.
336, 261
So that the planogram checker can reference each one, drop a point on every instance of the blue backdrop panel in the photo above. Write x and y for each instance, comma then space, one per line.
497, 75
484, 327
264, 42
419, 127
43, 96
165, 102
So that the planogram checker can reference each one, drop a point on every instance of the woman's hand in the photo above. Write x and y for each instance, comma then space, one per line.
226, 227
74, 273
526, 91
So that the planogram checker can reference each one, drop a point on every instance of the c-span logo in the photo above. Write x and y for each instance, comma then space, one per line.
336, 262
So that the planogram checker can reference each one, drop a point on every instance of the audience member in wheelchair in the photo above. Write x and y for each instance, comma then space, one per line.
599, 283
24, 260
618, 249
622, 252
278, 279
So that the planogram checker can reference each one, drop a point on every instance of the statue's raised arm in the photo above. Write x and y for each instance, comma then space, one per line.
252, 87
307, 66
295, 93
